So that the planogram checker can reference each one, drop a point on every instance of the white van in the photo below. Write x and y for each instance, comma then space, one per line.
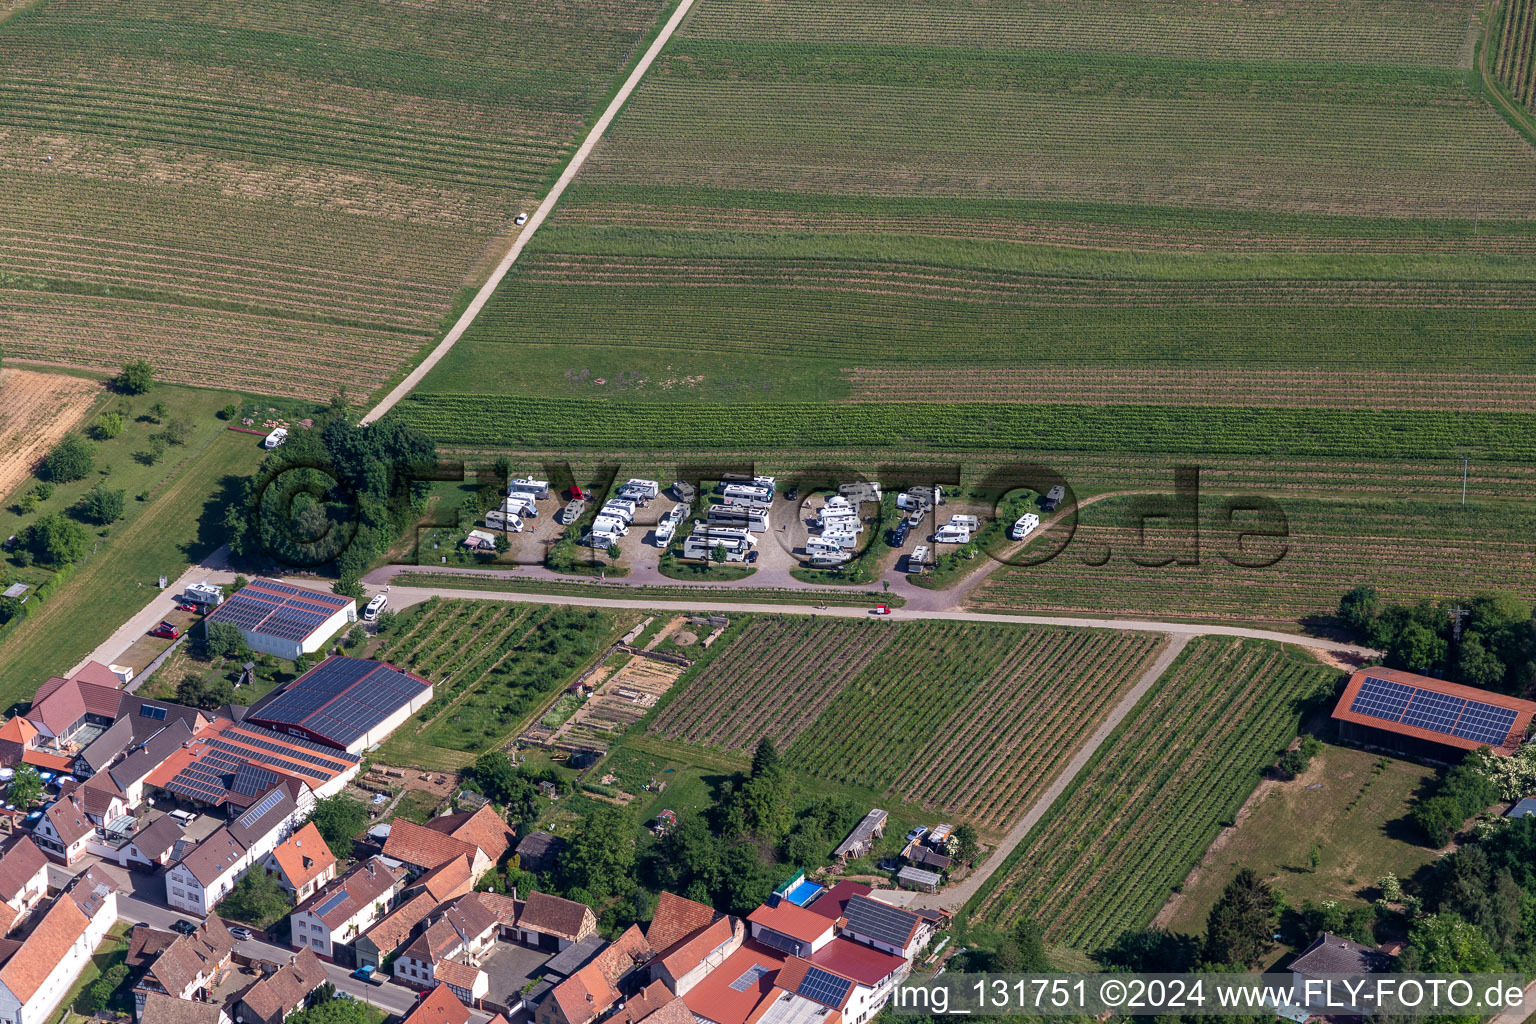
375, 606
969, 522
610, 524
1024, 526
616, 509
951, 534
277, 437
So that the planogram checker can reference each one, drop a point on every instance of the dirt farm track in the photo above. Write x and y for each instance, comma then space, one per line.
36, 409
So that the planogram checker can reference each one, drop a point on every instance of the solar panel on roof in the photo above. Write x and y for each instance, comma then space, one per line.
251, 780
824, 987
880, 922
769, 937
253, 815
331, 903
748, 978
1485, 723
1436, 712
1381, 698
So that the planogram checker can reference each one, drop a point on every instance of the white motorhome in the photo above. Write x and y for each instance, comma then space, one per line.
825, 546
827, 559
204, 593
528, 485
842, 539
573, 511
753, 517
372, 609
678, 514
704, 548
504, 521
749, 492
519, 505
714, 531
610, 524
276, 438
969, 522
647, 489
919, 556
920, 497
1024, 526
952, 534
665, 531
617, 508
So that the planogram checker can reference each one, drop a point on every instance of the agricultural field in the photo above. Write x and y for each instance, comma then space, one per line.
1409, 548
36, 410
1514, 62
969, 720
492, 664
285, 197
852, 202
1110, 850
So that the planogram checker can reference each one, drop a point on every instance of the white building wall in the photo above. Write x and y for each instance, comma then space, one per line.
59, 981
330, 627
308, 930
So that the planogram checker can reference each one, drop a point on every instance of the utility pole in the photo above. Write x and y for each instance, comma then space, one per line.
1457, 614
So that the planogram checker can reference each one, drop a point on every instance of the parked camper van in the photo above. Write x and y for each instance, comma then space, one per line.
519, 505
504, 521
646, 489
610, 524
529, 486
372, 609
1024, 526
574, 509
1053, 497
752, 517
952, 534
760, 493
919, 557
276, 438
208, 594
665, 531
969, 522
618, 508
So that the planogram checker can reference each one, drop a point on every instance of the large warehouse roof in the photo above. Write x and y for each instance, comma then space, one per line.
1434, 710
278, 610
236, 762
340, 700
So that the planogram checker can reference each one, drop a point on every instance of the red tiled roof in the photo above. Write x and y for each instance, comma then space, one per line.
584, 995
396, 926
864, 964
97, 674
422, 846
716, 999
690, 951
834, 901
44, 949
447, 880
19, 864
553, 915
788, 919
452, 972
440, 1007
18, 730
675, 918
1524, 709
46, 761
484, 828
304, 856
69, 820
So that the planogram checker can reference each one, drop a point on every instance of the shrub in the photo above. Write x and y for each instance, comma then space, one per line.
137, 377
101, 505
229, 412
107, 426
55, 540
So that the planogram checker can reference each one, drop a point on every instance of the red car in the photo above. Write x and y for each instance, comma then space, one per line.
165, 631
186, 606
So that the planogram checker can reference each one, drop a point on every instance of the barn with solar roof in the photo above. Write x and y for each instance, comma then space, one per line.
1429, 718
346, 703
283, 620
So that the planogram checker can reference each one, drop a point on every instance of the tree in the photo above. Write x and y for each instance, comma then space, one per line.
614, 551
11, 608
334, 1011
26, 786
55, 540
107, 426
355, 636
965, 842
1476, 665
176, 431
154, 453
102, 505
719, 552
1023, 951
765, 758
256, 899
1447, 944
158, 412
349, 586
340, 819
224, 640
1359, 609
72, 458
1418, 648
137, 377
207, 692
600, 857
1242, 923
98, 994
301, 664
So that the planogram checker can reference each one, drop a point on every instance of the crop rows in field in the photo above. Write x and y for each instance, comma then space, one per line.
1107, 854
773, 681
970, 720
1409, 548
491, 663
1515, 62
298, 189
569, 425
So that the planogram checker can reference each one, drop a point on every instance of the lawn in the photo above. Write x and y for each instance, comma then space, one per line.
178, 527
112, 951
1350, 805
291, 196
417, 805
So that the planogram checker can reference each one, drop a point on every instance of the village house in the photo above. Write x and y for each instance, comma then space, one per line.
273, 998
163, 1009
207, 872
342, 910
385, 938
301, 863
552, 923
23, 880
63, 830
180, 966
597, 988
39, 971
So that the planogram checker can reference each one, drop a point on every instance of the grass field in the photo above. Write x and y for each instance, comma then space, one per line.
492, 665
287, 196
928, 195
179, 526
1108, 853
968, 720
1351, 805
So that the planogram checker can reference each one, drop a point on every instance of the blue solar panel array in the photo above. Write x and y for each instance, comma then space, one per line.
331, 903
1436, 712
748, 978
824, 987
342, 699
278, 610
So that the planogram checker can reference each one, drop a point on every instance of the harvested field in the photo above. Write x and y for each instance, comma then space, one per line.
972, 721
36, 409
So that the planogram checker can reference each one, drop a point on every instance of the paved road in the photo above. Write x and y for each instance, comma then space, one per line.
545, 209
956, 896
1522, 1014
404, 597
